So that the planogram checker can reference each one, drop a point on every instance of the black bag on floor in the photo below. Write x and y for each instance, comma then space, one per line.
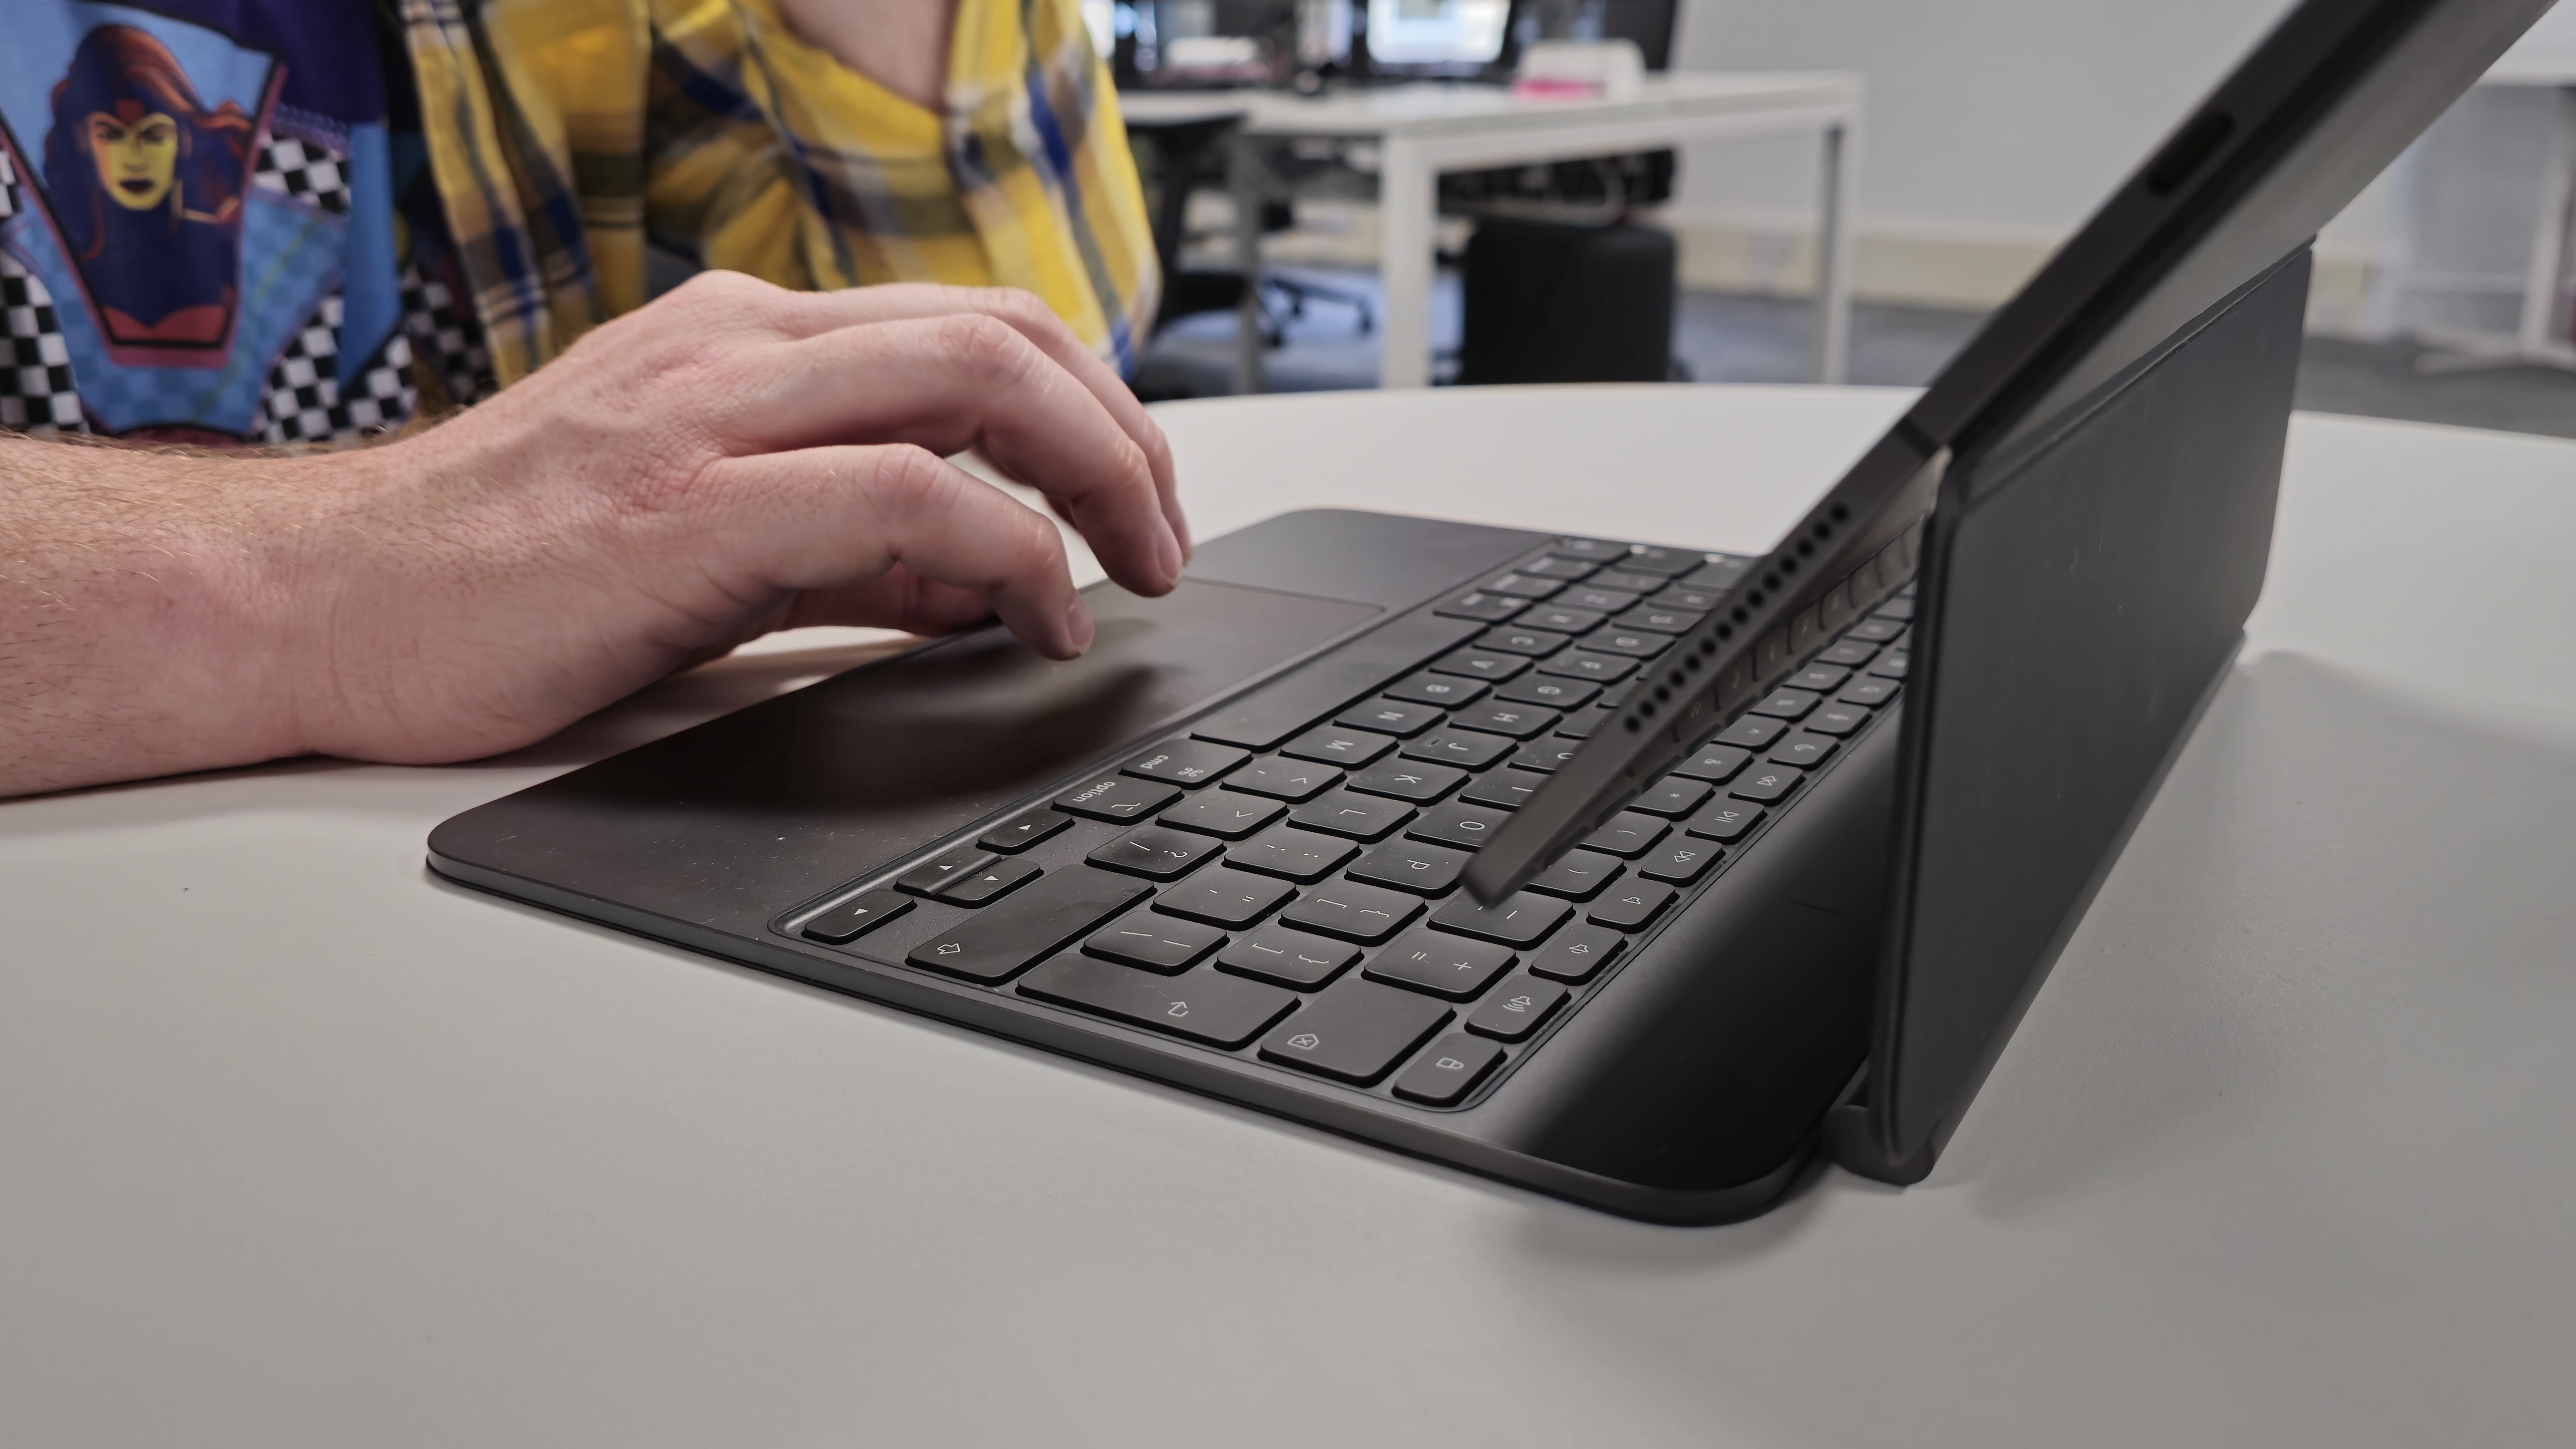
1552, 302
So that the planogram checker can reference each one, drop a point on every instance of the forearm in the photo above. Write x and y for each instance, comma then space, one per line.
147, 614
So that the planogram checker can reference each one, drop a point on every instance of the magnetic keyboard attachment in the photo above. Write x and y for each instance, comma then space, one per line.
1284, 881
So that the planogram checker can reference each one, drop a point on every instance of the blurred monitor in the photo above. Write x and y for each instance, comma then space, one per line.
1436, 36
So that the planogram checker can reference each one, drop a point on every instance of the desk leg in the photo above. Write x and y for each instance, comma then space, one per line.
1243, 170
2548, 267
1829, 342
1406, 224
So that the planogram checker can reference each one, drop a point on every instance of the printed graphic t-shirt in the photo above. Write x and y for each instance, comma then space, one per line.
199, 230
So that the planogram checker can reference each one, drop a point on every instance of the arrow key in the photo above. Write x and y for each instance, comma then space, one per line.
990, 883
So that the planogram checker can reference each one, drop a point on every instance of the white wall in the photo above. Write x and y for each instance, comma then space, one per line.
1994, 127
1996, 115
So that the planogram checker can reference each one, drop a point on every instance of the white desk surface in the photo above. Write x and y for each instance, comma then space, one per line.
299, 1146
1432, 108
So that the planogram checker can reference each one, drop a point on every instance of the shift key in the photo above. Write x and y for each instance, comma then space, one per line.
999, 940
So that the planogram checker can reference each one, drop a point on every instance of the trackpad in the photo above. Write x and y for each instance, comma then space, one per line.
752, 811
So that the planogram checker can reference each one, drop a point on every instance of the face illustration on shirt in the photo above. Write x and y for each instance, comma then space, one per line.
137, 155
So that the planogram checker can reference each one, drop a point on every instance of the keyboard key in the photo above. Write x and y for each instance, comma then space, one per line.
1718, 574
1662, 620
1627, 834
1548, 693
1671, 797
1520, 1007
1688, 598
855, 917
1361, 817
1313, 691
1804, 750
1424, 870
1525, 586
1599, 600
1459, 824
1284, 779
1447, 747
1391, 717
1355, 1032
1631, 909
1154, 942
1229, 898
1726, 820
1518, 919
1517, 721
1868, 693
1482, 664
993, 944
1679, 862
1664, 561
1441, 964
1818, 678
1503, 789
1559, 568
1837, 719
1896, 608
1026, 831
1204, 1006
1753, 732
1716, 764
1583, 664
1850, 654
1445, 1074
1300, 855
1338, 745
1627, 580
1874, 631
990, 883
1767, 784
1633, 643
1477, 604
1577, 954
1787, 704
1892, 664
1117, 797
1227, 814
1186, 762
1157, 853
1561, 619
1443, 691
1511, 639
926, 878
1545, 756
1408, 780
1578, 876
1298, 959
1364, 913
1590, 550
1583, 724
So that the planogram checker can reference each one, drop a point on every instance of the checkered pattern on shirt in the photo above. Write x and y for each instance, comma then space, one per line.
446, 337
306, 170
306, 400
36, 394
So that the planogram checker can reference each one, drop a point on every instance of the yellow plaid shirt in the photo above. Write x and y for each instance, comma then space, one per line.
563, 133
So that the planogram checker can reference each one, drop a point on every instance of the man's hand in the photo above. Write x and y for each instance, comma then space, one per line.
729, 460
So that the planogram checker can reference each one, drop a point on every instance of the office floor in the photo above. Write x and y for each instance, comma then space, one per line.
1732, 338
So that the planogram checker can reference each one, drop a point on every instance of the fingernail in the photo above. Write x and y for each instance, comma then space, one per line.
1077, 626
1169, 547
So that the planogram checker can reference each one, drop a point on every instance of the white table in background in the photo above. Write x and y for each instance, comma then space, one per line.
1425, 129
301, 1147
